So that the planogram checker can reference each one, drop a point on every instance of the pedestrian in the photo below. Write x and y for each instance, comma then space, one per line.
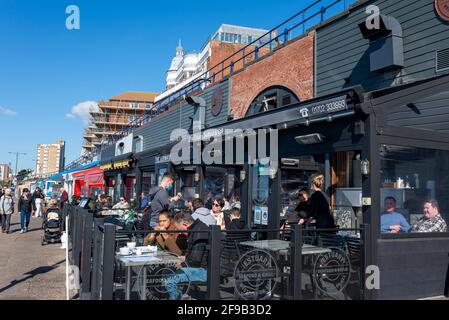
6, 210
26, 208
64, 197
38, 198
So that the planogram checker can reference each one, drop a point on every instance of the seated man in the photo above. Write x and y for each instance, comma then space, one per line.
196, 254
392, 221
432, 220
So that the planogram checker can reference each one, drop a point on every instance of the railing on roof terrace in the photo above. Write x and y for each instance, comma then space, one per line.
291, 28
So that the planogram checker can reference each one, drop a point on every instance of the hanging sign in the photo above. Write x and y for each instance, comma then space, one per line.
442, 8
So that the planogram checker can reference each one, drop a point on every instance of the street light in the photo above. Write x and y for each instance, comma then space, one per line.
17, 158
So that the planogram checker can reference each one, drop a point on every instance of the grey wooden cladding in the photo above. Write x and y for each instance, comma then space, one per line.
422, 264
342, 55
156, 134
433, 113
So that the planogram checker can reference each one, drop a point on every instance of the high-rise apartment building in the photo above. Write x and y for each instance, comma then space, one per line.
5, 173
50, 158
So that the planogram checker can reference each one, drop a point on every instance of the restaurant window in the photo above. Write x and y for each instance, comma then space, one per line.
410, 177
271, 98
148, 181
214, 181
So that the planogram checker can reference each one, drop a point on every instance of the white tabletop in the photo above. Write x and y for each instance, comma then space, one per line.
148, 259
282, 246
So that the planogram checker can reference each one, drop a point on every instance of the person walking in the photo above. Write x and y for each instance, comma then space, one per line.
38, 198
6, 210
160, 199
26, 208
64, 197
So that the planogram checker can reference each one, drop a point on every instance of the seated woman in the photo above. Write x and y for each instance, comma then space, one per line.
171, 242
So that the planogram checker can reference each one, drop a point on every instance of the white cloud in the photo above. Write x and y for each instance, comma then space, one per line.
82, 111
7, 112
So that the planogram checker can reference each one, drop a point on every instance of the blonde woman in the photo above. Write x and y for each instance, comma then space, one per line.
6, 210
319, 208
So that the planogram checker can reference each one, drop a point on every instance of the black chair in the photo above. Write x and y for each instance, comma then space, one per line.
354, 250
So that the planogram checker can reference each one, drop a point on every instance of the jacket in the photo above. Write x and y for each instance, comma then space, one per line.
158, 201
205, 216
27, 205
6, 205
196, 254
64, 197
167, 241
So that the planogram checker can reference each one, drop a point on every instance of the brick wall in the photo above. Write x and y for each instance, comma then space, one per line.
291, 66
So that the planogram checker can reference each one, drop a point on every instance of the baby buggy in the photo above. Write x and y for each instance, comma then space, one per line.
52, 226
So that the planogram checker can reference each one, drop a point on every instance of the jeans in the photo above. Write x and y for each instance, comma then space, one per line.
24, 219
184, 275
6, 221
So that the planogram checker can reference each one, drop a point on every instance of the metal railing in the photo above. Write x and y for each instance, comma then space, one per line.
94, 245
278, 36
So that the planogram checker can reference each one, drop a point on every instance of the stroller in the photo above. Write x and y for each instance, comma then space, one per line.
52, 226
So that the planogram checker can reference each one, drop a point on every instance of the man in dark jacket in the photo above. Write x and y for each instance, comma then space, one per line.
160, 200
64, 197
196, 254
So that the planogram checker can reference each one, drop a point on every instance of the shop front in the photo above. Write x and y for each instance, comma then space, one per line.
369, 146
120, 177
88, 183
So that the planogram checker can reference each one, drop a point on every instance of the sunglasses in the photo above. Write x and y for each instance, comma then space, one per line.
216, 205
122, 200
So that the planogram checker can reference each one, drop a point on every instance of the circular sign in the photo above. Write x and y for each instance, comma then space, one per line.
161, 279
442, 7
332, 271
256, 275
217, 102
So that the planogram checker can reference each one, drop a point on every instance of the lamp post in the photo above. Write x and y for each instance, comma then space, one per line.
17, 158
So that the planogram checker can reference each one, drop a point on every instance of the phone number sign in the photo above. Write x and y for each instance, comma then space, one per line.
324, 108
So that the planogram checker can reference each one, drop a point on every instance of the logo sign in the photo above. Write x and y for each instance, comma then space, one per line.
217, 102
324, 108
159, 279
442, 8
256, 275
332, 271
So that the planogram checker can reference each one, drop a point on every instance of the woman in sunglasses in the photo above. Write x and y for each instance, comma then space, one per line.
123, 204
217, 211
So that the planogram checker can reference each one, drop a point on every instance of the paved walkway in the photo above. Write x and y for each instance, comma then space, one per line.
29, 271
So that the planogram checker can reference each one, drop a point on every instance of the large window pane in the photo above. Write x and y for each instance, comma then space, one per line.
409, 178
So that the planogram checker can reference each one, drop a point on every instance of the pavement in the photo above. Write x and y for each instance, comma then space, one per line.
28, 270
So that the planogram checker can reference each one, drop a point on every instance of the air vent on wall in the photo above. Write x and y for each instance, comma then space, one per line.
443, 60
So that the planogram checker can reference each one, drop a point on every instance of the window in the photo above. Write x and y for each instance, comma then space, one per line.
250, 39
409, 178
138, 144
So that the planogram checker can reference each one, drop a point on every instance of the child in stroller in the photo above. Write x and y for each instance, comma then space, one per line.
52, 224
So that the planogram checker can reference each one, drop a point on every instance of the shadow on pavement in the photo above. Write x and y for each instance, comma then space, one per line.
31, 274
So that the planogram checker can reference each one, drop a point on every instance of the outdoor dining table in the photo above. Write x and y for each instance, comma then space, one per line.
281, 247
134, 261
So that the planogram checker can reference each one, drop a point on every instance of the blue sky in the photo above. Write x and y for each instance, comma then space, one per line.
46, 69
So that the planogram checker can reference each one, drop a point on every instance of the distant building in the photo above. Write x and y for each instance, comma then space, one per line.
50, 158
5, 173
115, 114
226, 40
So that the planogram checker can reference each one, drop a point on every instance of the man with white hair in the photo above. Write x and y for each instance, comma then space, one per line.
6, 210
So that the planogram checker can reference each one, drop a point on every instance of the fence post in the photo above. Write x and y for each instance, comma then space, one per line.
296, 262
86, 252
108, 262
96, 265
285, 36
77, 237
365, 259
232, 67
256, 53
213, 268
